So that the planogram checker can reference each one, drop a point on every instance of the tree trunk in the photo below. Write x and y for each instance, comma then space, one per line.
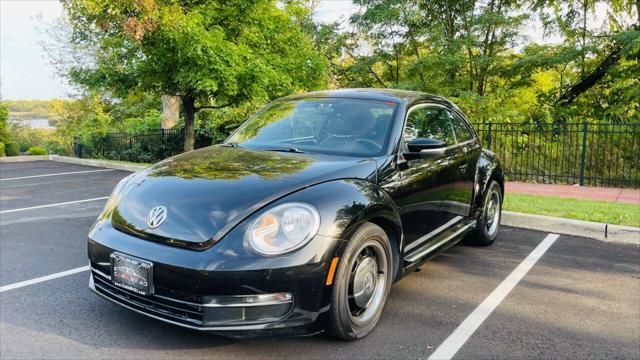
170, 111
584, 37
189, 111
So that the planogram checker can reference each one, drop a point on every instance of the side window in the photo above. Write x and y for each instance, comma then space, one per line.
462, 131
429, 122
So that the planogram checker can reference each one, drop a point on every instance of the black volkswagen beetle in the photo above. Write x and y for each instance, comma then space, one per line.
302, 219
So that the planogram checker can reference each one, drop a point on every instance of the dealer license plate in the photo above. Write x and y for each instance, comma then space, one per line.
132, 274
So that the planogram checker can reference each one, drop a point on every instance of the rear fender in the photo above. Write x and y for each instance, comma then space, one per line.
488, 168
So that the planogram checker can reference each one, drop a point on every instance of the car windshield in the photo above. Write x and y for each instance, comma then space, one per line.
351, 127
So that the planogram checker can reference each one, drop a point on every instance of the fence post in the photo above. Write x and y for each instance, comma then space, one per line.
489, 136
77, 147
130, 147
584, 152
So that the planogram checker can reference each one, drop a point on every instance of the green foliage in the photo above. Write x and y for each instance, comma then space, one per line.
83, 117
4, 117
2, 154
476, 53
150, 121
12, 148
32, 108
206, 52
26, 137
245, 53
37, 150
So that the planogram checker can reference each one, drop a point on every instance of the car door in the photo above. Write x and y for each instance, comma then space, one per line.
429, 200
470, 145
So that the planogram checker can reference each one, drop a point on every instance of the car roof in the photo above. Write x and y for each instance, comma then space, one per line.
372, 94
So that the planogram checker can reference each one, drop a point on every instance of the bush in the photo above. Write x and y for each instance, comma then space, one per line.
37, 150
44, 138
58, 146
2, 150
12, 148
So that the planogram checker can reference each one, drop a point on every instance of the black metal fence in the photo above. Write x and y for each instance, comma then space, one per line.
566, 153
557, 153
147, 147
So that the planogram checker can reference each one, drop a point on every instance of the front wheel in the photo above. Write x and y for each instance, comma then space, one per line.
489, 223
361, 284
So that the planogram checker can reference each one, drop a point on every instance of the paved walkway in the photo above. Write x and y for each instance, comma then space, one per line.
627, 196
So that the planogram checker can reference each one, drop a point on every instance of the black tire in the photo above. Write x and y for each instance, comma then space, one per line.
488, 225
345, 322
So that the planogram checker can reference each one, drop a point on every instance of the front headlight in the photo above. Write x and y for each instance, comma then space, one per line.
284, 228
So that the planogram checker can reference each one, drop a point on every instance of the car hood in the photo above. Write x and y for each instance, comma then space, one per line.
208, 191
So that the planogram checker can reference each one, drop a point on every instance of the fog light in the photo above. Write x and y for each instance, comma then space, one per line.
246, 309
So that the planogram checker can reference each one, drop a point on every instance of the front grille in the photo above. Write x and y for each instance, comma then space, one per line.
174, 310
219, 311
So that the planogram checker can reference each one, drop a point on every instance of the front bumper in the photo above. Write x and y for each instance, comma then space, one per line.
206, 290
194, 315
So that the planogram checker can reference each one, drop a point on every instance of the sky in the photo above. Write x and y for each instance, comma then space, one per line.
25, 73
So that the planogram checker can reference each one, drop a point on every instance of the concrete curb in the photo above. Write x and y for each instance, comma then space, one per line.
98, 163
594, 230
21, 158
72, 160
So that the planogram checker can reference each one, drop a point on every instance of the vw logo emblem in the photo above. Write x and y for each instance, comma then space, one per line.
156, 216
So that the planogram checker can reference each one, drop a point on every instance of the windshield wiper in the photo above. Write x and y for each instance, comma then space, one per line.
292, 149
230, 144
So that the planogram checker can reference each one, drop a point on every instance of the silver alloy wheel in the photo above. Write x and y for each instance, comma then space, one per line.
492, 212
367, 282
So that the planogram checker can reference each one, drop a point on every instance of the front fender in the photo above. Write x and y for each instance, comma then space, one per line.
345, 204
488, 168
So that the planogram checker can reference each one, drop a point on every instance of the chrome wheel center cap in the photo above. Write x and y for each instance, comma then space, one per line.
364, 282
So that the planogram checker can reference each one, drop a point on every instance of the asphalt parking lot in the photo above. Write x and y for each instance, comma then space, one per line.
581, 299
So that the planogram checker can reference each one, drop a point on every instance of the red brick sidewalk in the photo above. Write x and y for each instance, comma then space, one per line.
627, 196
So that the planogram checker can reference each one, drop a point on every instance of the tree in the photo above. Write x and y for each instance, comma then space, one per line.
605, 58
438, 44
4, 117
211, 54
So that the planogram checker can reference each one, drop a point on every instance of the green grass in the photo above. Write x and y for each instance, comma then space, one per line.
589, 210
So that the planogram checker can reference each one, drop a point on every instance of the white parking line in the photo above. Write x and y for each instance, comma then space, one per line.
56, 174
42, 279
50, 205
461, 334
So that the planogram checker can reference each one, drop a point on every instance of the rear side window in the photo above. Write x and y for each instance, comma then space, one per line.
431, 122
462, 131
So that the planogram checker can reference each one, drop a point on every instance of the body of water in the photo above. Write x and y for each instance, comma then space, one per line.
34, 123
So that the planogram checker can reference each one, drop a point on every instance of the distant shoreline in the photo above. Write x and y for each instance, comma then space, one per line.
36, 122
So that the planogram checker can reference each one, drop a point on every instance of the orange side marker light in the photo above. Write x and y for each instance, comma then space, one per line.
332, 271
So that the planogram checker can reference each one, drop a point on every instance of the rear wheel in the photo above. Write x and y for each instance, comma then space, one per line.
489, 223
361, 284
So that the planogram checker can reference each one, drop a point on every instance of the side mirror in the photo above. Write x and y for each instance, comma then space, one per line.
420, 144
420, 148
